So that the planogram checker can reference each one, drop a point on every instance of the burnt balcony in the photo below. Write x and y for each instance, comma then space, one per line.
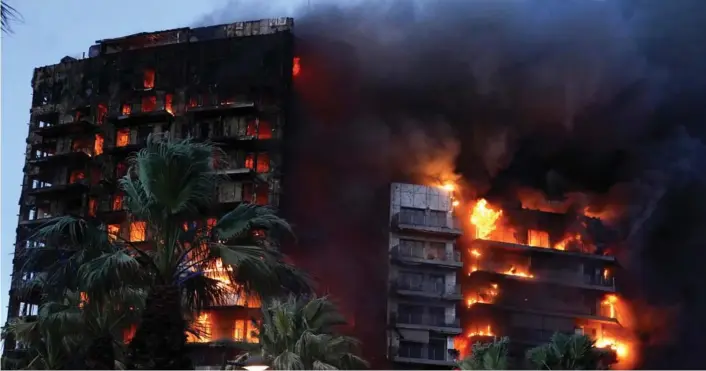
47, 190
427, 289
512, 242
142, 113
434, 222
527, 272
423, 354
421, 255
75, 156
211, 109
427, 321
76, 125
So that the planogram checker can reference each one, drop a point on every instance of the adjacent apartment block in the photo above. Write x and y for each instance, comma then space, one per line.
424, 294
230, 84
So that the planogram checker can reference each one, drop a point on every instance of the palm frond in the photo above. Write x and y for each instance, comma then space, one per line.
8, 14
201, 292
287, 361
248, 217
111, 271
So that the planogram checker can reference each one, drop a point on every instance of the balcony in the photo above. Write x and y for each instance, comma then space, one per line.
427, 321
83, 124
422, 354
418, 255
215, 109
526, 272
139, 113
438, 223
427, 289
512, 242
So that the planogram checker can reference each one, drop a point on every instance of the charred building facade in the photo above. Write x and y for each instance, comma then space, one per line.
530, 274
230, 84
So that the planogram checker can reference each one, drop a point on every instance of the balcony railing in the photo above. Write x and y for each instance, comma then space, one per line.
426, 254
429, 221
426, 320
423, 353
428, 287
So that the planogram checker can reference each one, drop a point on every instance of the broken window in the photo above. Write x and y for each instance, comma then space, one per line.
76, 175
149, 104
123, 137
148, 79
113, 231
98, 145
126, 109
101, 113
138, 231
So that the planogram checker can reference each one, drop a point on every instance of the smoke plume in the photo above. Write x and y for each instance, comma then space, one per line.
602, 100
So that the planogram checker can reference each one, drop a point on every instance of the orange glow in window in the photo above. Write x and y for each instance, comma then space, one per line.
149, 104
210, 223
296, 67
264, 130
101, 113
126, 109
113, 231
263, 163
203, 326
76, 175
123, 138
98, 145
192, 102
138, 231
250, 161
92, 207
129, 333
117, 203
83, 299
148, 80
168, 103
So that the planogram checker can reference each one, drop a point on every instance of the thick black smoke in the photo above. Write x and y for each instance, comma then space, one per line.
606, 97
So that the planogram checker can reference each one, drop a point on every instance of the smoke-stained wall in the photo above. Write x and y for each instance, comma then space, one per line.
604, 97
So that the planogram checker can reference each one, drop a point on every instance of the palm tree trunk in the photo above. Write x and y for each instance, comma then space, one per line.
100, 355
160, 340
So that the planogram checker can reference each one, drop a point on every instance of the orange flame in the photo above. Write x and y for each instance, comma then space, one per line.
481, 332
484, 218
296, 67
483, 296
513, 271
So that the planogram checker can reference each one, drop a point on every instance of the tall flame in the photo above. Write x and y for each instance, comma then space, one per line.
484, 218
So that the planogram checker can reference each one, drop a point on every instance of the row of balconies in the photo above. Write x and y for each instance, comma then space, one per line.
419, 353
527, 272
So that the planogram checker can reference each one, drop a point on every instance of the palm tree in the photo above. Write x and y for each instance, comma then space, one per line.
76, 331
169, 186
487, 356
298, 334
8, 14
570, 352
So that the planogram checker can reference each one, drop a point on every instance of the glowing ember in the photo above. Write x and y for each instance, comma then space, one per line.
475, 253
296, 67
455, 203
484, 218
449, 187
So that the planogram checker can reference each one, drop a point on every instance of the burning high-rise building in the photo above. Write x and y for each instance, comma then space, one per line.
230, 84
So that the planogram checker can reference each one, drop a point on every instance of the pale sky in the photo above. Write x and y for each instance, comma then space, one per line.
51, 30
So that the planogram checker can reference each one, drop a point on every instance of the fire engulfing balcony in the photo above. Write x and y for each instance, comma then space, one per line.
148, 110
421, 255
427, 221
427, 289
435, 323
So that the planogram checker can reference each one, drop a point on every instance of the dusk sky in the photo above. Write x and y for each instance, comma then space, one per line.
51, 30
